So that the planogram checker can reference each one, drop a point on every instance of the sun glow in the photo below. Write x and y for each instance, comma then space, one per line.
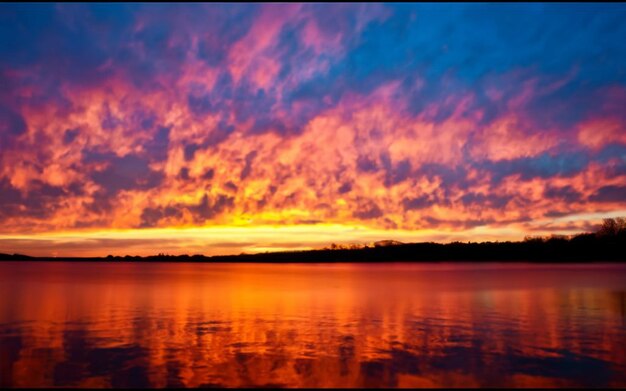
242, 238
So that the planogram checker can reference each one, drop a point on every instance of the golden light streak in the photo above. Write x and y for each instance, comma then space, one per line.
235, 239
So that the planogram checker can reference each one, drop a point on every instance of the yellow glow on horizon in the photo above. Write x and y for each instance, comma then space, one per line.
243, 236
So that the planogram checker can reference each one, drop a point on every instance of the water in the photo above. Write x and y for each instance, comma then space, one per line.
321, 325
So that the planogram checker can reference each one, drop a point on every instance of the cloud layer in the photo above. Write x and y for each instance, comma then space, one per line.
398, 117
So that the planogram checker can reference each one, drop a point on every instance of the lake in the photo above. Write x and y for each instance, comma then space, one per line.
312, 325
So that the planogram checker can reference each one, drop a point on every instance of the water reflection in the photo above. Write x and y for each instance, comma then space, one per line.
165, 325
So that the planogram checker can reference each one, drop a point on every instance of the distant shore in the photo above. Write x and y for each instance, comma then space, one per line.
589, 247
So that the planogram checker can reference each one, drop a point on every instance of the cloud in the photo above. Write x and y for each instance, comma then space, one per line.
12, 125
10, 198
614, 194
492, 201
123, 173
208, 208
150, 217
157, 147
368, 211
543, 166
417, 202
567, 193
384, 115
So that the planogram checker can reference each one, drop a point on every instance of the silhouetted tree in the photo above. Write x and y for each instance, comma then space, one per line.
612, 226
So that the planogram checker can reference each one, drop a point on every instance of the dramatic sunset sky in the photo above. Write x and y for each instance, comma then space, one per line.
220, 129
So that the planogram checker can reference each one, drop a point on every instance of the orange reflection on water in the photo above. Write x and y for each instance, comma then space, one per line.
323, 325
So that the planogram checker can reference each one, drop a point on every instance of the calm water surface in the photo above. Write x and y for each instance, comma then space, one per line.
320, 325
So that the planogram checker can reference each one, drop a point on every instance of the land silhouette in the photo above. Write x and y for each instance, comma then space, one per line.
607, 244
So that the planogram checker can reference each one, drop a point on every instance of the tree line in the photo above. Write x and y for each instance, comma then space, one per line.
607, 243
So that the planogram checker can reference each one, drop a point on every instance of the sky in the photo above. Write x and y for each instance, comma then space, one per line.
226, 128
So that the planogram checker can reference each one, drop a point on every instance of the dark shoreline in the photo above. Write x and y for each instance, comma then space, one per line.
583, 248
